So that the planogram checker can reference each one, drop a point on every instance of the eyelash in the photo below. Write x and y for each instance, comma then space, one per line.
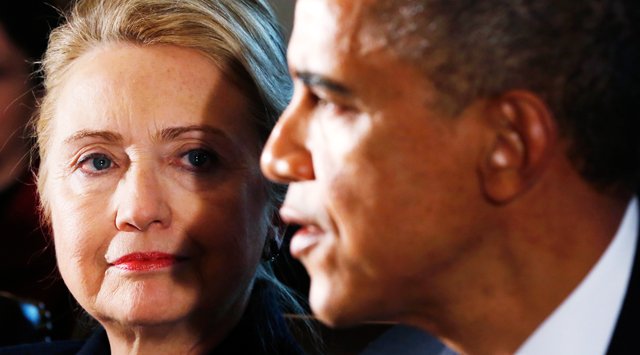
328, 104
91, 157
211, 160
208, 159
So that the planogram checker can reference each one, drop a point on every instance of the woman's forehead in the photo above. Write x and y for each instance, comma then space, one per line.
130, 88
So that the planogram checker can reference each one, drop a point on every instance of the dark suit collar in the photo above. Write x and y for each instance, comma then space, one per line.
625, 339
97, 344
262, 330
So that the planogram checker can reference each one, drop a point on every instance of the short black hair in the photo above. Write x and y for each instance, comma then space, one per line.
581, 56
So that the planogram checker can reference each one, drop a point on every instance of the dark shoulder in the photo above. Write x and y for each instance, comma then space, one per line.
96, 344
66, 347
262, 330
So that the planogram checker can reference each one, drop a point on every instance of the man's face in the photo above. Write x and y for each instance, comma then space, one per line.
384, 185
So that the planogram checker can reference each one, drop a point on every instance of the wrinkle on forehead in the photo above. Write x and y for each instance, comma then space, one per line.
346, 19
353, 19
354, 33
352, 27
396, 24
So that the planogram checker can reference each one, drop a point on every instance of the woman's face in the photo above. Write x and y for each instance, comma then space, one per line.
158, 207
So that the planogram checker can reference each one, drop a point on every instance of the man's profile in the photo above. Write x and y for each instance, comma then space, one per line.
467, 167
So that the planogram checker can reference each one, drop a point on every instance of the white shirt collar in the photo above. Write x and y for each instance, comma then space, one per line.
585, 321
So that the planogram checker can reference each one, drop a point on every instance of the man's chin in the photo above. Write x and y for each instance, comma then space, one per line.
335, 319
333, 308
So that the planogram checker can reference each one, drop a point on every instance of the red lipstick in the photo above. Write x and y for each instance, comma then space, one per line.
145, 261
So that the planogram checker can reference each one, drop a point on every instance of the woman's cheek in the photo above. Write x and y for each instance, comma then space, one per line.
81, 234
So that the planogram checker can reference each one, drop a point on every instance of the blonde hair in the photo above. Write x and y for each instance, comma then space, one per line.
241, 37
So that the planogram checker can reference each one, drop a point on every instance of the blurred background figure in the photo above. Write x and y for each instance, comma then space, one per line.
27, 265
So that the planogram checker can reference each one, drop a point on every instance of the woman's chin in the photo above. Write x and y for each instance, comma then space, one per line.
149, 302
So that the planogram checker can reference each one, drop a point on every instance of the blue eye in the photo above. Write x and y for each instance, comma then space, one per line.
199, 159
101, 162
94, 163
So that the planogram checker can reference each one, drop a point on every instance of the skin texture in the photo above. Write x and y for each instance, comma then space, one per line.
144, 110
361, 140
15, 101
452, 224
346, 133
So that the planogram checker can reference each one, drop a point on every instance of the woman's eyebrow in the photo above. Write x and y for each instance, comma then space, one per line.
174, 132
86, 133
166, 134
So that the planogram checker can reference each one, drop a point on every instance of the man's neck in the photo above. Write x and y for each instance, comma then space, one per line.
527, 266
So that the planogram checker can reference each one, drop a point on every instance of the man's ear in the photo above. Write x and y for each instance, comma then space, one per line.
524, 133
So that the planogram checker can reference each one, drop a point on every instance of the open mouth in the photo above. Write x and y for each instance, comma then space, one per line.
305, 239
308, 234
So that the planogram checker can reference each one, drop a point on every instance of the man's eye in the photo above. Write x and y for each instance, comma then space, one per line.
199, 159
95, 163
330, 106
319, 100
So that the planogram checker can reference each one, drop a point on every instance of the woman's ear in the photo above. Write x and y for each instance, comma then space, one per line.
523, 134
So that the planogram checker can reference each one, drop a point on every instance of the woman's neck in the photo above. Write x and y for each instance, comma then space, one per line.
158, 340
198, 334
178, 338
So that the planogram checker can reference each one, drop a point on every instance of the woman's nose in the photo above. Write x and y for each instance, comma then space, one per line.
141, 201
285, 157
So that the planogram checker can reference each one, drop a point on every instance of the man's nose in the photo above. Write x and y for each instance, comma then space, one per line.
141, 201
285, 157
